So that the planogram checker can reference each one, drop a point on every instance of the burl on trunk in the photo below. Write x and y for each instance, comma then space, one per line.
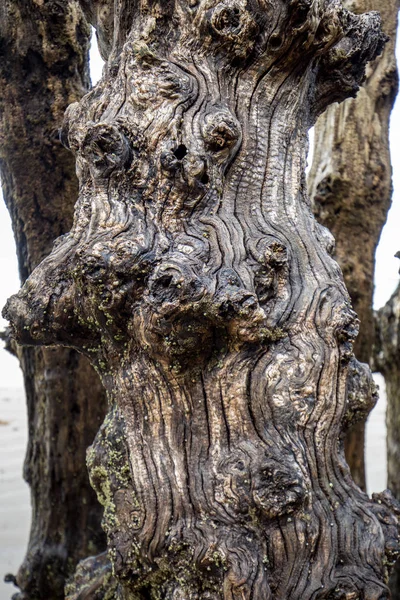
203, 290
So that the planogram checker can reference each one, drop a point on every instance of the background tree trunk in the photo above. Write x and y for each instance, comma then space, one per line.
201, 287
387, 361
43, 68
350, 184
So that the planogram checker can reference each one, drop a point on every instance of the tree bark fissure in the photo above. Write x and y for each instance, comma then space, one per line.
201, 287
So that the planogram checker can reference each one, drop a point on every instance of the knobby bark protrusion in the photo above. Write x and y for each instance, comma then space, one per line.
350, 185
43, 68
197, 281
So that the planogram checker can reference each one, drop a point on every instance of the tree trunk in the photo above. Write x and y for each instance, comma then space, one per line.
350, 183
387, 357
197, 281
43, 67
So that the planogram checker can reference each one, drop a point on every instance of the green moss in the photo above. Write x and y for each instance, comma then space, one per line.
272, 335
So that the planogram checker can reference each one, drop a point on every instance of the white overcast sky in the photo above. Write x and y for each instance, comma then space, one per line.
387, 267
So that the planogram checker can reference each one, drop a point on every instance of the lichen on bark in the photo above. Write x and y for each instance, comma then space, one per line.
198, 283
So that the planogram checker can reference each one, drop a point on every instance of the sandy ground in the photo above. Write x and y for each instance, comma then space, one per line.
14, 492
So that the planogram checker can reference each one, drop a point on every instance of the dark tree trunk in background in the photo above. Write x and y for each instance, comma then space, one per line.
387, 361
43, 68
197, 281
350, 184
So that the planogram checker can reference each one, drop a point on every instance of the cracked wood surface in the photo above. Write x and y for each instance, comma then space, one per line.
198, 282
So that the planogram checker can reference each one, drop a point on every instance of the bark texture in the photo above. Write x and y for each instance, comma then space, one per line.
201, 287
387, 361
43, 68
350, 184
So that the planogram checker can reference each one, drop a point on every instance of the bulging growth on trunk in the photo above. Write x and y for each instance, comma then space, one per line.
201, 287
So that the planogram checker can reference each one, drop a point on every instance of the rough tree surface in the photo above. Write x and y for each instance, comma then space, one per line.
197, 281
43, 68
387, 357
350, 185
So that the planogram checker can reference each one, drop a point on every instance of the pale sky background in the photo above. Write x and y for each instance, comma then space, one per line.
387, 266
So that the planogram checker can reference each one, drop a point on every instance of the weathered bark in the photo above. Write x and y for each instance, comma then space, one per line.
350, 184
201, 287
43, 68
387, 361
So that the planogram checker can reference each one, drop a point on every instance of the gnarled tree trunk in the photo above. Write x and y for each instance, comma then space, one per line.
197, 281
350, 184
43, 68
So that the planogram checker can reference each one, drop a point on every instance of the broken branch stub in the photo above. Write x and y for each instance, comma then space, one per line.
201, 287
